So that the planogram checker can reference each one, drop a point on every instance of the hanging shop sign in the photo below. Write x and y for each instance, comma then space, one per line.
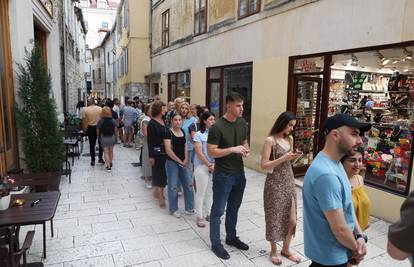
309, 65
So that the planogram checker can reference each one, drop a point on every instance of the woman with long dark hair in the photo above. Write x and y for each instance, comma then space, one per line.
362, 204
280, 200
203, 169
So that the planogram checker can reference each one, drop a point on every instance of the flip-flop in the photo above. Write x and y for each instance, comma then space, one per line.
201, 224
291, 257
275, 259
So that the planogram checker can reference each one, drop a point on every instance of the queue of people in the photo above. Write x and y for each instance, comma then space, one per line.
186, 148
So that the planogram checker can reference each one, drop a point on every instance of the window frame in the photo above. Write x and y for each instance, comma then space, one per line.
197, 13
249, 12
165, 31
171, 95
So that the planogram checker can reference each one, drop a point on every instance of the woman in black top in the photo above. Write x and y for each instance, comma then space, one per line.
156, 151
176, 167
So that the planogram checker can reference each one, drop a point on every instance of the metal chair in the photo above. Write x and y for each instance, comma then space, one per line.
11, 254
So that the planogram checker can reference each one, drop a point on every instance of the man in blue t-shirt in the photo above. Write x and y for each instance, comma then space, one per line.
331, 233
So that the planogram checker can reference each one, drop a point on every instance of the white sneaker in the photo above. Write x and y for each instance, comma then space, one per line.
148, 184
176, 214
189, 212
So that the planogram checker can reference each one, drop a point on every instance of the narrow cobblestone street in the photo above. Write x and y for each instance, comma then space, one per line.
110, 219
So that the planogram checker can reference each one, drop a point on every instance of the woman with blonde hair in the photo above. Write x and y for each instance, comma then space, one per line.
188, 120
105, 131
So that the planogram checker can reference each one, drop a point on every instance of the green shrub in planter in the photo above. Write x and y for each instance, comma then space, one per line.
37, 121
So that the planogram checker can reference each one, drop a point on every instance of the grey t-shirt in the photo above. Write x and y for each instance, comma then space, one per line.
401, 233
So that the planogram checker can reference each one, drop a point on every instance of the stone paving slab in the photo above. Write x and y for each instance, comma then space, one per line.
111, 219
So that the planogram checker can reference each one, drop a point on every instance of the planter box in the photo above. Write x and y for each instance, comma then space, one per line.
40, 182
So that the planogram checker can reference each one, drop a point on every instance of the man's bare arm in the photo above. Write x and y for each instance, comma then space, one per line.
396, 253
340, 229
216, 152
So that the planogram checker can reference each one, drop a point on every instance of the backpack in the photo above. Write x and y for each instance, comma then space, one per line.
107, 128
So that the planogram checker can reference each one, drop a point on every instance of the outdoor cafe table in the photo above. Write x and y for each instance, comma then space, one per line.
27, 215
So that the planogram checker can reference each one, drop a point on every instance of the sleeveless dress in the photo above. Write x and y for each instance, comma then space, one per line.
279, 195
362, 204
146, 166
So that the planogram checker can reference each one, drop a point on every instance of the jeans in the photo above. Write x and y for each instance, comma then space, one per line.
190, 167
92, 143
176, 174
227, 188
203, 196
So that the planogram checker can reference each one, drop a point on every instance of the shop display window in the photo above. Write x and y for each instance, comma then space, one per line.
378, 87
306, 114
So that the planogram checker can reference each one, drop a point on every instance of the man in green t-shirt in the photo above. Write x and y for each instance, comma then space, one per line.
227, 143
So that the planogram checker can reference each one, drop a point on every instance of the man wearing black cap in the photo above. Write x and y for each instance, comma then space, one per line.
331, 233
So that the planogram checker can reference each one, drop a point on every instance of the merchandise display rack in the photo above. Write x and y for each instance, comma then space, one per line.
305, 121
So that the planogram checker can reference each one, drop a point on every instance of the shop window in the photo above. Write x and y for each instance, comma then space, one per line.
179, 85
200, 16
248, 7
165, 31
306, 103
377, 86
371, 85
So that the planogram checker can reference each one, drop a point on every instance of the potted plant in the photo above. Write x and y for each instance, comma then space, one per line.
5, 187
36, 116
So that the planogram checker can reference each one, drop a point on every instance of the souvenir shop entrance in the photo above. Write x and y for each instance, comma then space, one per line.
374, 84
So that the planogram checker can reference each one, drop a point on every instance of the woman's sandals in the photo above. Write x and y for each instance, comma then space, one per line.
275, 259
292, 257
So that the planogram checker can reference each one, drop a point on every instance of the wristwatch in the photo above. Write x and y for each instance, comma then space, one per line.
364, 236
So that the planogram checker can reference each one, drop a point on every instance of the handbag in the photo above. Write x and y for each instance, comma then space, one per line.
158, 150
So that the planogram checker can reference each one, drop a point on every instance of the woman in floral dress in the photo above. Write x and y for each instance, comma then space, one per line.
280, 201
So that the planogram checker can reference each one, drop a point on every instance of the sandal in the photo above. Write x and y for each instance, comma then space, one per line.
162, 204
292, 257
200, 223
275, 259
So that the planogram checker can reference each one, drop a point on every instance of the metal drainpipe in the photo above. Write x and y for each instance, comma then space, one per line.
150, 45
106, 89
64, 93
